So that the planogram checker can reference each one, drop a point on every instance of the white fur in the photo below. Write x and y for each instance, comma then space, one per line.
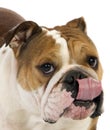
19, 109
64, 48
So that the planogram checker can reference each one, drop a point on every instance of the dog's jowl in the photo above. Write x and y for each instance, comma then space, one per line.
50, 77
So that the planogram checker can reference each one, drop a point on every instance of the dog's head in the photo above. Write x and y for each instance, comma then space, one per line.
61, 65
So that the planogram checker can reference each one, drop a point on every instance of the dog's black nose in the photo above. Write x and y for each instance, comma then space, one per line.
70, 82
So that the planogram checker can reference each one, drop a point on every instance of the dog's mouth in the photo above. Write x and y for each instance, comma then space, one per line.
81, 109
84, 100
78, 110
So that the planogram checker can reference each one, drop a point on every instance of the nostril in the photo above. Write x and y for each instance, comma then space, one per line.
71, 85
81, 76
71, 77
73, 88
69, 80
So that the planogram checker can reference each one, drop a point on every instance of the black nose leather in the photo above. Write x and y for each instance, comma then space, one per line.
70, 82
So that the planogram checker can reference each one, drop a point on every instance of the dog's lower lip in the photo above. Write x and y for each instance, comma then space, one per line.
83, 103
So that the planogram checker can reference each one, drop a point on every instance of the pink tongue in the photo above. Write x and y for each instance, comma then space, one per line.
89, 89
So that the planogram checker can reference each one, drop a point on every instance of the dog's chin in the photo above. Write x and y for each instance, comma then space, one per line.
78, 110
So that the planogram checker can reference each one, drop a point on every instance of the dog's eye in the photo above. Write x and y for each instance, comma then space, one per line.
92, 61
47, 68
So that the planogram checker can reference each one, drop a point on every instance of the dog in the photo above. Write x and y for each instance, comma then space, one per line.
50, 77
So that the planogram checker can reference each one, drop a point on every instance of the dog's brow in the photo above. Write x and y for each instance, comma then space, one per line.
56, 35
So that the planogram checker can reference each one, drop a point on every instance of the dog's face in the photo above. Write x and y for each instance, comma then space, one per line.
61, 65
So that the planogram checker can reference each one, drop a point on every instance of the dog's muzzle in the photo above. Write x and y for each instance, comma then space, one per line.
77, 95
84, 96
70, 82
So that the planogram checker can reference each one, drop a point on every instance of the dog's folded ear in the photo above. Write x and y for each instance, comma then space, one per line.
78, 23
18, 36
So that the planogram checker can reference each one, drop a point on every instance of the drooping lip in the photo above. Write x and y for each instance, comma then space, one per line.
87, 103
85, 108
78, 110
61, 103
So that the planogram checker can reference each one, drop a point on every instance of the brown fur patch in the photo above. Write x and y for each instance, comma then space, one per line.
93, 124
41, 49
80, 46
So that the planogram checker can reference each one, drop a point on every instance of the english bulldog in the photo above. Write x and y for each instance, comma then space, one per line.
50, 78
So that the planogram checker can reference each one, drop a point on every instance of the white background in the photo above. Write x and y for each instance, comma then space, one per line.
57, 12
